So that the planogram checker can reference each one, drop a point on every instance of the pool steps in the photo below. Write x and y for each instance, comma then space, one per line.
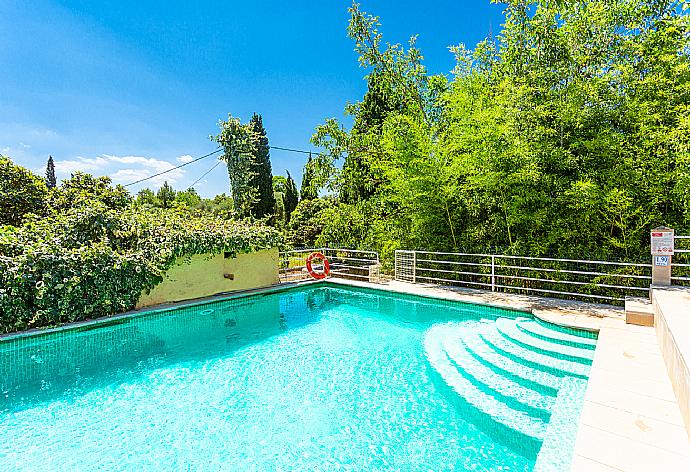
510, 371
485, 379
509, 329
544, 333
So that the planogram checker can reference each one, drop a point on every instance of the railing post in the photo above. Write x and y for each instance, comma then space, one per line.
662, 249
493, 273
414, 267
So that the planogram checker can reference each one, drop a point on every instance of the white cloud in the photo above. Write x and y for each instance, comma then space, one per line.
25, 146
81, 164
184, 159
122, 169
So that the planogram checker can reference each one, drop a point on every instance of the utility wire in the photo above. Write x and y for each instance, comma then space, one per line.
290, 150
176, 167
206, 173
211, 154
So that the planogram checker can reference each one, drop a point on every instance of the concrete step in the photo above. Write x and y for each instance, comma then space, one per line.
639, 311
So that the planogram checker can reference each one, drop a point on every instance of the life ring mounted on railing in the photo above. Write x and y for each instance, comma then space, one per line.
326, 266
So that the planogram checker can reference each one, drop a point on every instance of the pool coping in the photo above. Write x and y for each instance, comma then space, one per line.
630, 418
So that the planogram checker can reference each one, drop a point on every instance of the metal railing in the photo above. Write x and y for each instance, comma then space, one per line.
603, 281
680, 265
345, 263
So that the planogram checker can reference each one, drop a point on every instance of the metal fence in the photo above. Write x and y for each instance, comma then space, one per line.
602, 281
680, 265
345, 263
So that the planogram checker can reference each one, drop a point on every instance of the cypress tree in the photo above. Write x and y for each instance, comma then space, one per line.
51, 180
263, 178
291, 196
307, 190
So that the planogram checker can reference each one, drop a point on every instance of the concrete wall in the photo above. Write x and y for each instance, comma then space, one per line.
204, 276
672, 324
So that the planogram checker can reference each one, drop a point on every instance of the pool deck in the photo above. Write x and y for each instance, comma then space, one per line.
630, 420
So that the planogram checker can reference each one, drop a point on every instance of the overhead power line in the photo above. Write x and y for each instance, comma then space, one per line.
290, 150
176, 167
205, 173
219, 149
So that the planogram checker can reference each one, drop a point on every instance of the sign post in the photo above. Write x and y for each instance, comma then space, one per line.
662, 251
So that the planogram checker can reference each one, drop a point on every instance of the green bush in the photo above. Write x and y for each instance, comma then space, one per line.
21, 193
85, 189
92, 261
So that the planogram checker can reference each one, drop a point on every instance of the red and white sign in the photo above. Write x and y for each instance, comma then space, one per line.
662, 243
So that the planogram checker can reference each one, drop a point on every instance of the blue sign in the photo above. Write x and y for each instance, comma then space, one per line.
661, 261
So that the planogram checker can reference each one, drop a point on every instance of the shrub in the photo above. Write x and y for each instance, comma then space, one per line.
94, 261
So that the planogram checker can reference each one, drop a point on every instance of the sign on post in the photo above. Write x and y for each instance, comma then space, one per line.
662, 242
662, 253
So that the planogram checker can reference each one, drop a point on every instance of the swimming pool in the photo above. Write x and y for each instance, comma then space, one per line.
320, 377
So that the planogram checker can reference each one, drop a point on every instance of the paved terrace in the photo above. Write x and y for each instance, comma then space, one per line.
631, 420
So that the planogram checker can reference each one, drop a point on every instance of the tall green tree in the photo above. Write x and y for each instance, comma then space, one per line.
279, 188
291, 196
263, 177
51, 180
239, 142
308, 189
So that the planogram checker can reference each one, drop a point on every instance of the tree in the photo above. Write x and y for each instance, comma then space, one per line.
308, 190
567, 134
85, 189
51, 180
279, 189
263, 177
239, 144
307, 221
166, 195
145, 196
189, 198
291, 196
21, 193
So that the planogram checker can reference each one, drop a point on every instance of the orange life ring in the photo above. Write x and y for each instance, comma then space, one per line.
326, 266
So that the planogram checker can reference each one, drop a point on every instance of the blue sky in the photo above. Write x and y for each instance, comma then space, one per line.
130, 88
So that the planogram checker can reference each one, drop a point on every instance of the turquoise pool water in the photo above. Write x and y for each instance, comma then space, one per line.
317, 378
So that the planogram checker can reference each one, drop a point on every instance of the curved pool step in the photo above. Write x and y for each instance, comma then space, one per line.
531, 357
533, 429
541, 331
504, 389
501, 365
509, 329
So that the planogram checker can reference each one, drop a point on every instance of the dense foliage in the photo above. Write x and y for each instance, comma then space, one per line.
23, 193
308, 221
95, 257
246, 153
567, 134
